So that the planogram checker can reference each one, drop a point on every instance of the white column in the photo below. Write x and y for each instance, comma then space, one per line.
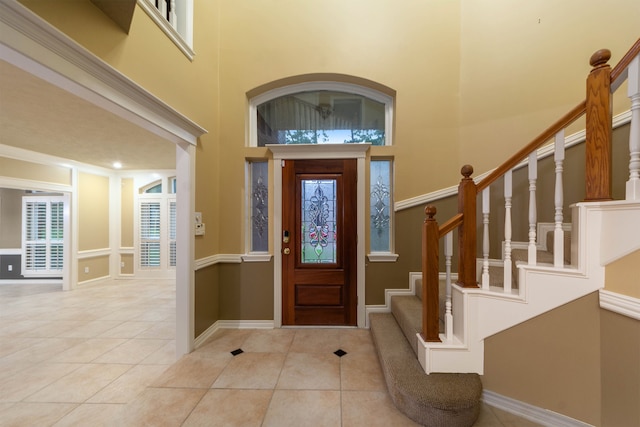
185, 253
633, 90
485, 238
558, 233
508, 192
448, 316
533, 176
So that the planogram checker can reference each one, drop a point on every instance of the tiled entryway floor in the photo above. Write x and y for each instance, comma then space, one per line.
104, 354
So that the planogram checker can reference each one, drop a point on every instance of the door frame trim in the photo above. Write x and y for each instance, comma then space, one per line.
318, 152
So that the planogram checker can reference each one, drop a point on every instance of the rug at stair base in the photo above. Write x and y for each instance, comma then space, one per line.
435, 400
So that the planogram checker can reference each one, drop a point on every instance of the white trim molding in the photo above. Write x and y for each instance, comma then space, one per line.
382, 257
94, 253
217, 259
256, 257
231, 324
619, 303
530, 412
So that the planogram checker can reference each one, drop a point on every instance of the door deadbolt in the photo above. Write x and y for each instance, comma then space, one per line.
285, 236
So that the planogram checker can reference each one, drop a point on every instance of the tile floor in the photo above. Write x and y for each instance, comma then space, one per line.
104, 355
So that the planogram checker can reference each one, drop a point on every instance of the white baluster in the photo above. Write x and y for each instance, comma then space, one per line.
173, 17
448, 316
533, 176
508, 191
162, 7
558, 233
485, 238
633, 89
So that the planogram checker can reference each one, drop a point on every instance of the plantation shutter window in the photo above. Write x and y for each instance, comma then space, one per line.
43, 236
150, 234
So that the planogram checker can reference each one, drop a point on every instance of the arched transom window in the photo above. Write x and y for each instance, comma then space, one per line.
321, 113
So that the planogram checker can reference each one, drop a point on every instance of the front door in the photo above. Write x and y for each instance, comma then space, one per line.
319, 242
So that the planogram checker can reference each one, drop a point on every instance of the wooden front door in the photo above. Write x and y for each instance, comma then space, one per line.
319, 242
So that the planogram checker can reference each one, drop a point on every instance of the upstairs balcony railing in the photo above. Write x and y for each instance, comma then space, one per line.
602, 82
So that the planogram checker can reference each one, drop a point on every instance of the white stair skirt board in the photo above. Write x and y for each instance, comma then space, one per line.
603, 233
530, 412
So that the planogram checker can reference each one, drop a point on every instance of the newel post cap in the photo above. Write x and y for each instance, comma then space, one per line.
600, 58
466, 171
430, 212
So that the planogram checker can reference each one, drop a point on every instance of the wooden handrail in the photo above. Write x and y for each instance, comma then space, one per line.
452, 223
625, 61
545, 136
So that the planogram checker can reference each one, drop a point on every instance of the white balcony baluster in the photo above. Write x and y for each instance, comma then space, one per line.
448, 316
508, 192
173, 17
533, 176
633, 85
485, 238
558, 233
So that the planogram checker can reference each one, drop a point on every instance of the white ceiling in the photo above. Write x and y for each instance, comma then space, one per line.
38, 116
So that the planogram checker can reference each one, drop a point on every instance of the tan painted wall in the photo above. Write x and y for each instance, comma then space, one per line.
10, 218
621, 276
98, 267
246, 291
207, 311
30, 171
620, 352
126, 213
551, 361
524, 64
127, 259
93, 212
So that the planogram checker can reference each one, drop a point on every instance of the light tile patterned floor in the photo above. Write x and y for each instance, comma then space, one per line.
104, 355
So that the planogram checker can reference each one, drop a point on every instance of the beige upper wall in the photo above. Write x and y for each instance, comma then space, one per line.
10, 218
474, 81
409, 46
524, 64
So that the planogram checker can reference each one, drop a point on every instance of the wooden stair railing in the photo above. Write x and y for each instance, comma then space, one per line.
598, 182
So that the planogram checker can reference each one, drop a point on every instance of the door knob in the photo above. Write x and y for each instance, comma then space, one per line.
287, 251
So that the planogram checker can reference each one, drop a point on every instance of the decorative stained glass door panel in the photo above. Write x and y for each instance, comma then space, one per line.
319, 242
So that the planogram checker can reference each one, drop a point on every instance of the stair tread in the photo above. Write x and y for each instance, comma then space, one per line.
432, 400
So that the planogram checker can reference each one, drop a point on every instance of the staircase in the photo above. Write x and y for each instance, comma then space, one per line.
431, 343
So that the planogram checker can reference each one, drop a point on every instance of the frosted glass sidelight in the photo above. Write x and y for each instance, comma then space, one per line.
380, 199
259, 206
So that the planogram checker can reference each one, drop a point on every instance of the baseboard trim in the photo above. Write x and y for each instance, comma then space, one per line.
530, 412
231, 324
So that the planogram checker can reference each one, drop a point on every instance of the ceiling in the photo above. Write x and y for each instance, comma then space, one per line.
38, 116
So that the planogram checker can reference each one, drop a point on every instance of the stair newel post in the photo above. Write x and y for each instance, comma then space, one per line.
430, 276
558, 233
598, 168
533, 209
467, 194
633, 90
485, 237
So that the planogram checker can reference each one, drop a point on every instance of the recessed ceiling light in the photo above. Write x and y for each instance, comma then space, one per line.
117, 165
